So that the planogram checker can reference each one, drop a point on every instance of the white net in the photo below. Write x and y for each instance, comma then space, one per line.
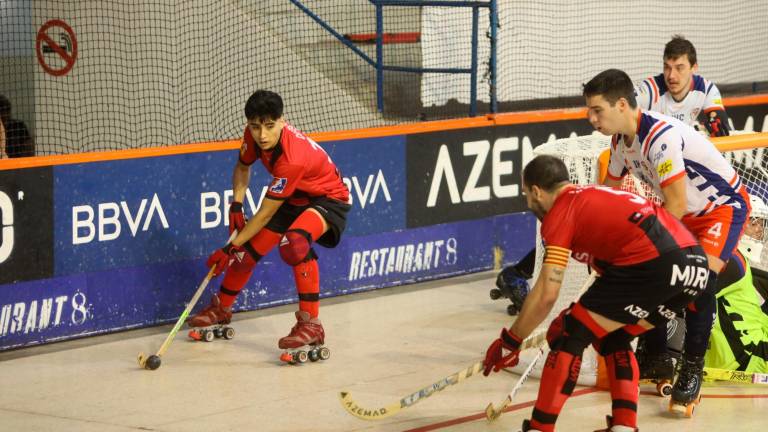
581, 155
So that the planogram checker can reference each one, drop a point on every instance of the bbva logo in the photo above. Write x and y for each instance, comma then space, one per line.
6, 222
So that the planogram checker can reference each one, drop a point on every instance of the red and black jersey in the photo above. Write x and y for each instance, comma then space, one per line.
602, 226
300, 168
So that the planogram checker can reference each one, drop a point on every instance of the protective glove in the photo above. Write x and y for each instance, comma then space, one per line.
236, 217
496, 358
220, 259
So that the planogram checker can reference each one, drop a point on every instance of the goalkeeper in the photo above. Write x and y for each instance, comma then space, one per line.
739, 339
651, 267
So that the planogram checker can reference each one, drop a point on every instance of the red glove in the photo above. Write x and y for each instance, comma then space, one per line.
496, 359
236, 217
222, 258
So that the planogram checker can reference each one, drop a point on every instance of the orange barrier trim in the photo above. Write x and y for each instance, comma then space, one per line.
745, 100
541, 116
76, 158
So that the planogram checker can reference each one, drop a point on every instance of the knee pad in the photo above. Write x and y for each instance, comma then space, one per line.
296, 247
575, 336
616, 341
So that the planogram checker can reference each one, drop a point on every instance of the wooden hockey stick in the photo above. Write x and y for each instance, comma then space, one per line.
491, 412
537, 340
152, 362
356, 410
735, 376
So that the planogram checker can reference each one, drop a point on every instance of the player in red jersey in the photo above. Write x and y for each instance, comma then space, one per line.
650, 265
306, 202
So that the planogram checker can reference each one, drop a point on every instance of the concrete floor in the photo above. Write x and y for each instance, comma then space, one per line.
384, 345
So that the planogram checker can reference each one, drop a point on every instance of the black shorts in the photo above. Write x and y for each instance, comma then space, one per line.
333, 211
655, 290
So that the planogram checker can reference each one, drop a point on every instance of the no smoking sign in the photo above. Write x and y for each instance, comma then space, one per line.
56, 47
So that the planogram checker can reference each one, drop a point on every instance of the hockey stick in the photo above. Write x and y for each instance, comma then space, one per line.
153, 362
735, 376
491, 413
379, 413
536, 340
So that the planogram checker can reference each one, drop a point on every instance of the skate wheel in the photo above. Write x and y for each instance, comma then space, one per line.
512, 310
664, 389
194, 334
300, 357
324, 353
229, 333
208, 336
689, 410
218, 332
495, 294
314, 355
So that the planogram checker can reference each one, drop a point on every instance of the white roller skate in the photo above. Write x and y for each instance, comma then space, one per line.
212, 322
305, 342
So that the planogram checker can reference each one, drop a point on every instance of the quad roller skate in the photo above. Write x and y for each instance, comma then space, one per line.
305, 342
212, 322
658, 370
511, 284
686, 393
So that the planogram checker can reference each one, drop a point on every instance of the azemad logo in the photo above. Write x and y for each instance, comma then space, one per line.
6, 226
105, 222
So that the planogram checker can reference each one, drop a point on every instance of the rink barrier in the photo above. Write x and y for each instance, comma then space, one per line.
100, 242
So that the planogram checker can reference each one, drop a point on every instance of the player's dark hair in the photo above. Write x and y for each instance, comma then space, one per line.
264, 104
678, 47
612, 84
545, 171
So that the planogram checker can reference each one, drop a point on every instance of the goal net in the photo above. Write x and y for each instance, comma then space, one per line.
582, 156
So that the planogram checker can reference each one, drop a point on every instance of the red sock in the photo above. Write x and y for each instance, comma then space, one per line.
623, 374
307, 275
558, 380
236, 277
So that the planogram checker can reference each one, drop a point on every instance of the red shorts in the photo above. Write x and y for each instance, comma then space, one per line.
719, 231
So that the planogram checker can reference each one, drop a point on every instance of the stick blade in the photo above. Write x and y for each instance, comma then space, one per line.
365, 413
490, 413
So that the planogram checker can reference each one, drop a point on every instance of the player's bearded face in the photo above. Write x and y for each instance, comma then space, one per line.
678, 73
265, 131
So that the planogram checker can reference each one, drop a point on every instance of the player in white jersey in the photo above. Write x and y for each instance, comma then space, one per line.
680, 93
696, 183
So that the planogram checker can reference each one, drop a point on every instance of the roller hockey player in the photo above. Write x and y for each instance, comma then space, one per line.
306, 203
697, 185
637, 247
680, 93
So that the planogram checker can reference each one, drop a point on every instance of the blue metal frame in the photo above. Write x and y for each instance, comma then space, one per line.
379, 62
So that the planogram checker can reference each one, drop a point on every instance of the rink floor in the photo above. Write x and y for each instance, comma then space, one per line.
384, 345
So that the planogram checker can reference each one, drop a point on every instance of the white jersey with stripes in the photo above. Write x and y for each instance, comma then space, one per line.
665, 149
703, 97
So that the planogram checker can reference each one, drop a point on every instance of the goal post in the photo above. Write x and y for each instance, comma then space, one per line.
586, 159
